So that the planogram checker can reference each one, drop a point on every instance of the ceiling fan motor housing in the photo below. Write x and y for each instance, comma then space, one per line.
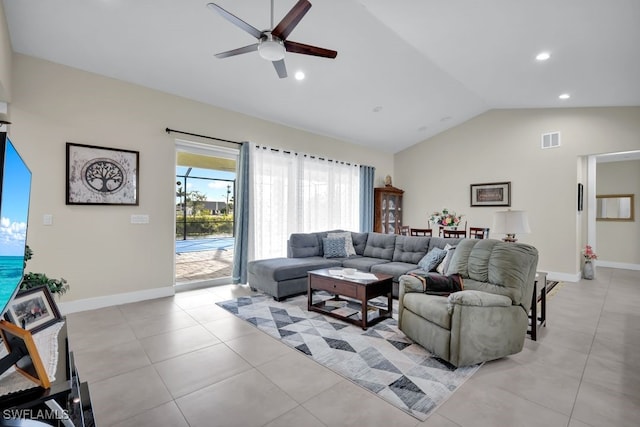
271, 48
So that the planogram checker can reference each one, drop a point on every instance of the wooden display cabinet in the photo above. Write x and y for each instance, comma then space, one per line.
387, 209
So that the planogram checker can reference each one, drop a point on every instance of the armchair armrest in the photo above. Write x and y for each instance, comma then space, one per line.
478, 299
410, 284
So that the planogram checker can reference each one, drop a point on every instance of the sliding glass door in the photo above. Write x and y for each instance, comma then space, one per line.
205, 194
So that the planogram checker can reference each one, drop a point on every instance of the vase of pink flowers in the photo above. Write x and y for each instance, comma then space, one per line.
446, 218
588, 255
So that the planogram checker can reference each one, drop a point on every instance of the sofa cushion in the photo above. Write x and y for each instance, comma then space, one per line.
359, 242
441, 242
396, 269
279, 269
334, 247
410, 249
303, 245
495, 266
380, 246
348, 242
430, 307
362, 263
431, 260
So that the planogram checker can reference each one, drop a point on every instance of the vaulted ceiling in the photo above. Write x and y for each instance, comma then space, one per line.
406, 69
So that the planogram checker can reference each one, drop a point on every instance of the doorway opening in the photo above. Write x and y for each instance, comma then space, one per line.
204, 214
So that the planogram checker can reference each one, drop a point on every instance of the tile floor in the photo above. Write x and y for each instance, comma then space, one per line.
183, 361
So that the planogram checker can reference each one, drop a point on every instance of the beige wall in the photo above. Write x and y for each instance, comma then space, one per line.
504, 145
5, 58
619, 241
96, 248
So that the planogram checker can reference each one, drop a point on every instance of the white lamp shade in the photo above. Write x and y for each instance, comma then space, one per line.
510, 222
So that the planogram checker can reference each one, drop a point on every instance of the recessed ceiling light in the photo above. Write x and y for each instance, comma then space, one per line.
543, 56
565, 96
299, 75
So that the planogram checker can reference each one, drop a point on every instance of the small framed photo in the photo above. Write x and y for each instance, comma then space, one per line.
101, 175
491, 194
33, 309
19, 341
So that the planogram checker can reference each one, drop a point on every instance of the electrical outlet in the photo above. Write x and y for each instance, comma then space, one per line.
47, 219
139, 219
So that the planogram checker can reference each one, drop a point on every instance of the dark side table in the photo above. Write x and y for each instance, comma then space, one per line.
538, 320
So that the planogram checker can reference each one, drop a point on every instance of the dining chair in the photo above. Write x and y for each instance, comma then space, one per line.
404, 230
478, 233
421, 232
454, 233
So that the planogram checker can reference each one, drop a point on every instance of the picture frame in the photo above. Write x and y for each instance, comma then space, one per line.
33, 309
20, 341
491, 194
580, 196
101, 175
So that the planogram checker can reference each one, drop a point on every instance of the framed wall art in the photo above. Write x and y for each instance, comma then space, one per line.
101, 175
491, 194
580, 196
33, 309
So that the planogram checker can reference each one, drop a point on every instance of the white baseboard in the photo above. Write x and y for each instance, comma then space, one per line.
116, 299
613, 264
563, 277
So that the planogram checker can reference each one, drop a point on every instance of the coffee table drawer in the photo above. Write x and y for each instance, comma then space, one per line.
334, 286
346, 289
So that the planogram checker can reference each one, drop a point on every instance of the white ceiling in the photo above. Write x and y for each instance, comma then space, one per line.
426, 65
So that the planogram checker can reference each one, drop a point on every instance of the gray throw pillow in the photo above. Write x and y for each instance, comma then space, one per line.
431, 260
334, 248
348, 241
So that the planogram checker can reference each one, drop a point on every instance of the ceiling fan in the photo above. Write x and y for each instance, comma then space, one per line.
272, 43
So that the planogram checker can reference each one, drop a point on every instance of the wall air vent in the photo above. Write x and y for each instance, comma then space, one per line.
550, 140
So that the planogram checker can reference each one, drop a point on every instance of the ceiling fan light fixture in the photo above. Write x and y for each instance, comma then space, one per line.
271, 49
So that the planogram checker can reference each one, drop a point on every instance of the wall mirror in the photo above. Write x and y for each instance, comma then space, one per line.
614, 207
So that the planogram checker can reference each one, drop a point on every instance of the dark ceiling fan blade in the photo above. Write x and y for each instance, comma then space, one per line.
289, 22
236, 21
238, 51
280, 68
305, 49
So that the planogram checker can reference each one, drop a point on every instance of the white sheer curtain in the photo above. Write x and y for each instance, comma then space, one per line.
299, 193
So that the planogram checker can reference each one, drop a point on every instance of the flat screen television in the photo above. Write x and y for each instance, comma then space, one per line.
15, 189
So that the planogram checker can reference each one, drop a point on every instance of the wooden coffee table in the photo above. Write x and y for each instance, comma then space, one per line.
361, 290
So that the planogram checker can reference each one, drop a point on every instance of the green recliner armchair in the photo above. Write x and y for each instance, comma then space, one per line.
489, 318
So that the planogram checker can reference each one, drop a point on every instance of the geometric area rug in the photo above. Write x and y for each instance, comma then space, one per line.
381, 359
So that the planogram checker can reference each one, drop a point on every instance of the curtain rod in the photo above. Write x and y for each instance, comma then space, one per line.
311, 156
201, 136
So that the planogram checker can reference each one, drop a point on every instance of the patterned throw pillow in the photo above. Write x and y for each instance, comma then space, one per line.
348, 241
444, 265
431, 260
334, 248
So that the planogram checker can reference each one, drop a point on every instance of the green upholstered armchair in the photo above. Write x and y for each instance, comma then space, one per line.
489, 318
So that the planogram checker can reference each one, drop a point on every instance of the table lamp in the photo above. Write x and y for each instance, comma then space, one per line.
510, 223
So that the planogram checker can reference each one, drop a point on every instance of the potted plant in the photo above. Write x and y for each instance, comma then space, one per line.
588, 255
32, 280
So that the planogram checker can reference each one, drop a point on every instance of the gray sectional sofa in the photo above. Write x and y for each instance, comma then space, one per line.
374, 252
